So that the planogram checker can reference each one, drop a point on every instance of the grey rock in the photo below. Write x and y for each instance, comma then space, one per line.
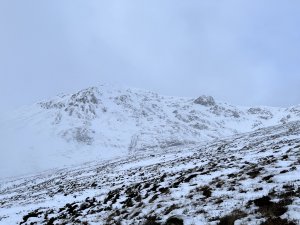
205, 100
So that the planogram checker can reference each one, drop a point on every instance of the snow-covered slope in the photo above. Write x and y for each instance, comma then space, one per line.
106, 122
250, 178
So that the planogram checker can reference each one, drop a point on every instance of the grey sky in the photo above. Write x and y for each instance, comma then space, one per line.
242, 52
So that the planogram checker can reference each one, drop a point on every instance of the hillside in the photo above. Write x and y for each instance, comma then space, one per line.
250, 178
106, 122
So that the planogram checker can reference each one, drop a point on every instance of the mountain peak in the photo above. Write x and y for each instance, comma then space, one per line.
86, 96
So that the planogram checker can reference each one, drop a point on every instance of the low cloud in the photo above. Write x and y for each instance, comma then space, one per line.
241, 52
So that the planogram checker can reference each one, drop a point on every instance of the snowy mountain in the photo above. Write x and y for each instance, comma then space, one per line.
106, 122
250, 178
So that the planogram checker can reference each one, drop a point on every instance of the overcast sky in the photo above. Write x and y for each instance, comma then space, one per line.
240, 51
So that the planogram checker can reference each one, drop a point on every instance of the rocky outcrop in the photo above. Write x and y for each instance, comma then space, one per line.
205, 100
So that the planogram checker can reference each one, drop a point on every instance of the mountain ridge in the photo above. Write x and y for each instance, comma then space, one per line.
104, 122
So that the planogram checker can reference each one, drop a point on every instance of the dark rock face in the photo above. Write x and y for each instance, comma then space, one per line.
205, 100
174, 221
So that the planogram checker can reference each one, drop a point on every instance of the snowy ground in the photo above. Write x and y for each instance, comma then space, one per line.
251, 178
106, 122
